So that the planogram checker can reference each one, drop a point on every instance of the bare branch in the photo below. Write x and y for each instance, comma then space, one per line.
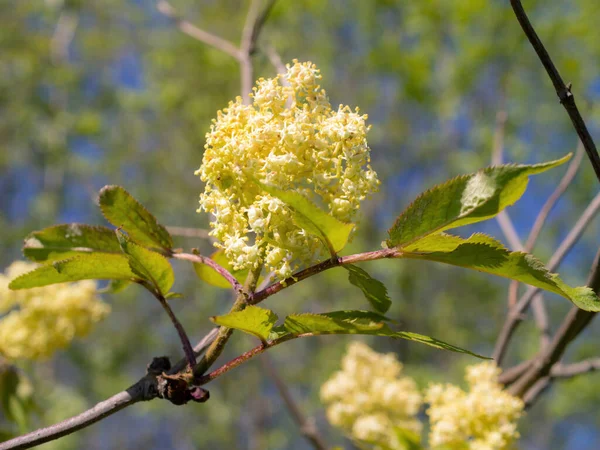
562, 90
100, 411
199, 259
554, 197
306, 426
143, 390
539, 310
572, 325
255, 21
275, 59
515, 315
574, 369
191, 30
536, 390
509, 376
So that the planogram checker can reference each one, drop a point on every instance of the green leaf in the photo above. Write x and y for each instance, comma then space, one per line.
125, 212
115, 286
483, 253
147, 264
172, 295
333, 232
409, 439
464, 200
355, 322
214, 278
100, 266
374, 290
64, 241
252, 320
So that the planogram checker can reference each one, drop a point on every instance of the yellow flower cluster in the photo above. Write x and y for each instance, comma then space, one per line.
482, 419
369, 400
289, 138
39, 321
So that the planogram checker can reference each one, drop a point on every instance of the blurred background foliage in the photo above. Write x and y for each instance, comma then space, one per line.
111, 92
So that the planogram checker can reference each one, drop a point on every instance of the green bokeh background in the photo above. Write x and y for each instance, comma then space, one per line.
111, 92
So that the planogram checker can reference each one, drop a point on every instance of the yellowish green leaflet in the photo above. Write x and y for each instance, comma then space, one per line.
92, 266
483, 253
464, 200
125, 212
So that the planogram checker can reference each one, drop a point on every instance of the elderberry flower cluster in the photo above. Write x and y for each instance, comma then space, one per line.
370, 400
39, 321
291, 139
484, 418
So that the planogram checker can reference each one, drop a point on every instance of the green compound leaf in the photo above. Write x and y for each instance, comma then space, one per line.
92, 266
483, 253
148, 265
125, 212
252, 320
355, 322
464, 200
374, 290
64, 241
333, 232
214, 278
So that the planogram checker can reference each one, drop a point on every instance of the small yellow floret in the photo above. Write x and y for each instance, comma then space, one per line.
292, 139
369, 398
485, 418
42, 320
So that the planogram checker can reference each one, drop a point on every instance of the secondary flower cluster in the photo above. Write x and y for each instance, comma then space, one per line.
485, 416
39, 321
371, 402
289, 138
369, 399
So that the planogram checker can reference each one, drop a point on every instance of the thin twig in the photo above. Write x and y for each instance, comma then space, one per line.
306, 426
191, 30
321, 267
515, 315
261, 348
275, 59
509, 376
545, 211
562, 90
575, 369
566, 180
255, 20
183, 337
506, 225
199, 259
536, 390
575, 322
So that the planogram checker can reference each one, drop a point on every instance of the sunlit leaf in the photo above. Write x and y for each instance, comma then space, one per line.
147, 264
374, 290
483, 253
252, 320
100, 266
333, 232
464, 200
125, 212
64, 241
355, 322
